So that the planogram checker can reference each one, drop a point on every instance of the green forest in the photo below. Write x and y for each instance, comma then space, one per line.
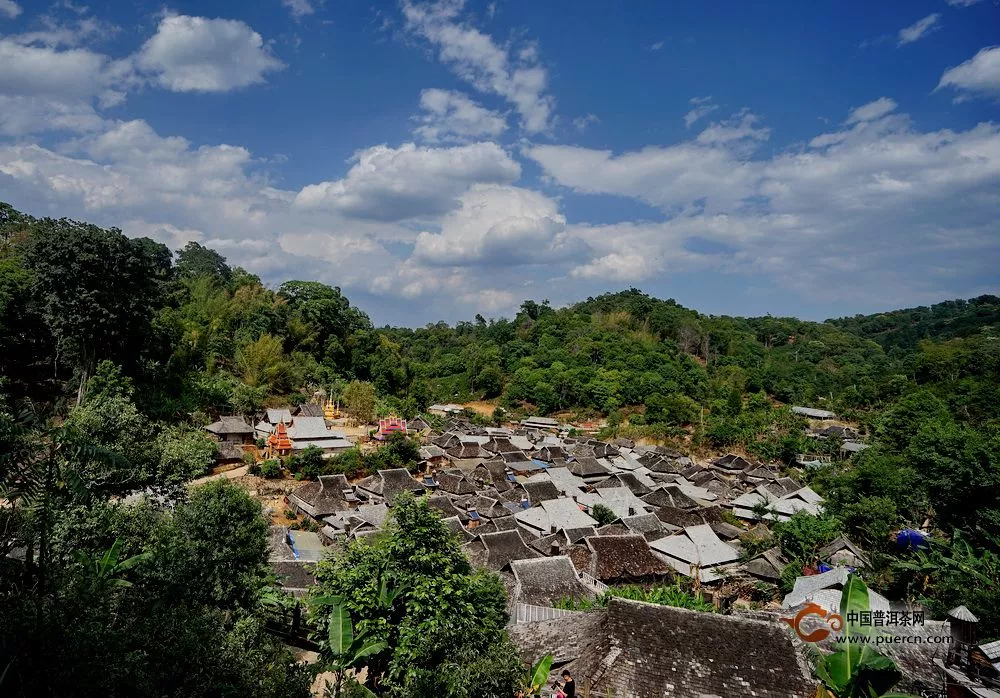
115, 352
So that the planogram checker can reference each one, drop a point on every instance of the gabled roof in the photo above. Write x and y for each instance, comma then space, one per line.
555, 515
767, 566
647, 525
542, 581
670, 496
624, 558
274, 416
696, 547
443, 504
825, 589
311, 429
308, 409
587, 467
541, 490
230, 425
565, 481
645, 650
455, 482
390, 483
323, 497
840, 543
504, 547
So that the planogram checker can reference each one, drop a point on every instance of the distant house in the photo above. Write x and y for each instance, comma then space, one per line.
311, 431
328, 495
544, 423
233, 429
696, 552
418, 425
309, 409
841, 551
767, 566
496, 551
389, 484
275, 416
544, 580
445, 410
813, 413
624, 559
825, 590
554, 515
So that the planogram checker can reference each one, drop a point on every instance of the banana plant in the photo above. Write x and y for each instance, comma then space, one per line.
343, 651
106, 571
856, 670
537, 676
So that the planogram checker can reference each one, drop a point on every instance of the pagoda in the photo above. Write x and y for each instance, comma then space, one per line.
330, 411
278, 443
390, 425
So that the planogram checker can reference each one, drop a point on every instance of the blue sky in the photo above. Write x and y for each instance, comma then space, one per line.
439, 159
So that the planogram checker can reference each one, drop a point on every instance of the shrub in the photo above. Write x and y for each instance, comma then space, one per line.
271, 469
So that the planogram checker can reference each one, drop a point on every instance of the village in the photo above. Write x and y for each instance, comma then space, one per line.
565, 519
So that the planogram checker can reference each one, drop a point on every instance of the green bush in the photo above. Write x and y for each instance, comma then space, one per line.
271, 469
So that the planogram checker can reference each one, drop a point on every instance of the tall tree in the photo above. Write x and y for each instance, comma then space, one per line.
96, 290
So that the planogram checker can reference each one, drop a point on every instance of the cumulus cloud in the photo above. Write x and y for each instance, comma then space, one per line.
43, 88
476, 58
978, 75
10, 9
702, 107
877, 198
499, 225
452, 116
196, 54
391, 184
918, 30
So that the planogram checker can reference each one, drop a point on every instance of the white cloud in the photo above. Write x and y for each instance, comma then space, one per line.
451, 116
657, 46
702, 108
918, 29
980, 74
10, 8
298, 8
478, 60
581, 123
195, 54
391, 184
861, 213
46, 89
871, 111
499, 225
740, 131
962, 3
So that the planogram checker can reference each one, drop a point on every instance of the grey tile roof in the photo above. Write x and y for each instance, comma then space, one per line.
646, 651
278, 415
323, 497
503, 547
390, 483
542, 581
620, 559
230, 425
541, 490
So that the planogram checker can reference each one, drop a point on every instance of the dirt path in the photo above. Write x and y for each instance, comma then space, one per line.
227, 475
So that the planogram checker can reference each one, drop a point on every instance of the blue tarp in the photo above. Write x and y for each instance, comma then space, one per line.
908, 539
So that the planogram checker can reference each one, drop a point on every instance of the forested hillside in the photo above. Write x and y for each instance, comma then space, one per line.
115, 352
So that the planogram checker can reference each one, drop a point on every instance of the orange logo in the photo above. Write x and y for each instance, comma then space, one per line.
834, 620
